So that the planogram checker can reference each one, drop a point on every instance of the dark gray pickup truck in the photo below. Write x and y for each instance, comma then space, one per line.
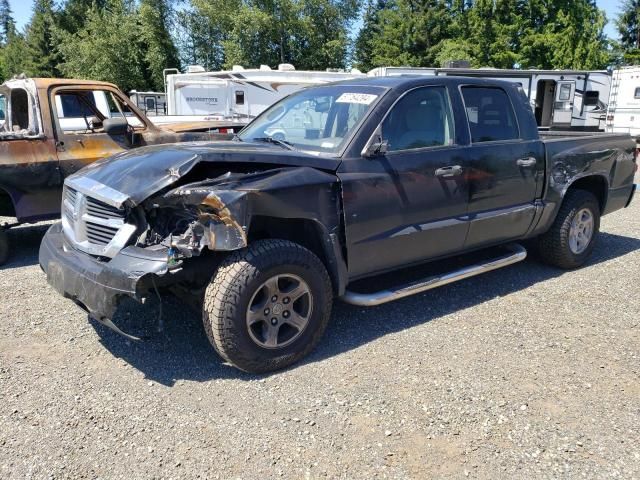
329, 186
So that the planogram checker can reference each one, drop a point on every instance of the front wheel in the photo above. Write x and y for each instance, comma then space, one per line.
572, 237
267, 305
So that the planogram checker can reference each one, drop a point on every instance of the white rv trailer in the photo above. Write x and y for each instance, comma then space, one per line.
560, 99
151, 103
623, 115
239, 93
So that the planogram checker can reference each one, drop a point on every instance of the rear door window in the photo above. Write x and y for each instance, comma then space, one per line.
490, 114
421, 118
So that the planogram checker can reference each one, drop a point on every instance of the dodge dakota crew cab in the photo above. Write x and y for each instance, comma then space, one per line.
50, 128
385, 173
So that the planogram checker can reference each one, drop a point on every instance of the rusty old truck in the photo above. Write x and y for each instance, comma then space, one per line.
50, 128
393, 172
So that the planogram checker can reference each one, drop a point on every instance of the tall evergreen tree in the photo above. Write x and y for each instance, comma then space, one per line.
160, 51
7, 23
74, 13
628, 24
41, 57
366, 40
107, 47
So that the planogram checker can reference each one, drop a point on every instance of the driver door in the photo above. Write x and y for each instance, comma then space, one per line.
78, 115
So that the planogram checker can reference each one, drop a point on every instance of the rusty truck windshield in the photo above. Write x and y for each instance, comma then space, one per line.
318, 120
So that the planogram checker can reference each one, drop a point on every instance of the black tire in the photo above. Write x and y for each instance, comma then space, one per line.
553, 246
5, 246
238, 280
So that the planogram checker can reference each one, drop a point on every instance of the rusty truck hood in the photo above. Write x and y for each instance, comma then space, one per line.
140, 173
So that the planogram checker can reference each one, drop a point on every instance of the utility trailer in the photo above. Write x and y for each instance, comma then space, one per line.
623, 115
560, 99
239, 93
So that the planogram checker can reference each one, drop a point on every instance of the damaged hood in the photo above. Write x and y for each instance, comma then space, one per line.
140, 173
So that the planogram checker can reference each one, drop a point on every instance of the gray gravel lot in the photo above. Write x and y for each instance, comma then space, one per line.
526, 372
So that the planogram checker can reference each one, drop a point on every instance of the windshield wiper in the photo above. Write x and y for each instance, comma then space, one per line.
275, 141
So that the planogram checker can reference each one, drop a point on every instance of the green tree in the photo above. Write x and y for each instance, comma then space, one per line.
41, 57
107, 47
198, 40
563, 34
160, 51
74, 13
628, 24
12, 61
7, 23
310, 34
367, 38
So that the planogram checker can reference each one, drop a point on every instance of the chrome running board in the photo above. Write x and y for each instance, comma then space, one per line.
517, 254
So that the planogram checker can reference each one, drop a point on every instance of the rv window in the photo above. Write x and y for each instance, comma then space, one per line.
565, 92
637, 93
150, 103
490, 114
591, 98
3, 107
239, 97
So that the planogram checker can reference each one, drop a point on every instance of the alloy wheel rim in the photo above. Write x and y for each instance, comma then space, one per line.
581, 231
279, 311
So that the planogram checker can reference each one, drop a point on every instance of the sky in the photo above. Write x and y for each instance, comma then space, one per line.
22, 12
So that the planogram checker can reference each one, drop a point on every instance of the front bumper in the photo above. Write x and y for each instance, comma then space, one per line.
99, 286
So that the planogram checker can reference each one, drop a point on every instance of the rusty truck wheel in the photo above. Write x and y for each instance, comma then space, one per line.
4, 246
267, 305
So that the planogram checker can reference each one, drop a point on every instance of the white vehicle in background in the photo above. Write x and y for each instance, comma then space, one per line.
560, 99
151, 103
623, 115
239, 93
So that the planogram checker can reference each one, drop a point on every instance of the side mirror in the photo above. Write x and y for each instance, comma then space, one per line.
95, 122
115, 126
376, 148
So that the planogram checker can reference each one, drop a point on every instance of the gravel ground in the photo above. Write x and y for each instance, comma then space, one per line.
526, 372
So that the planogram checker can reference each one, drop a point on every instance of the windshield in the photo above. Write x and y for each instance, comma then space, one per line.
319, 119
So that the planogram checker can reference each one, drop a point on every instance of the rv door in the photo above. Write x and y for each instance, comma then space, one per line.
563, 107
240, 101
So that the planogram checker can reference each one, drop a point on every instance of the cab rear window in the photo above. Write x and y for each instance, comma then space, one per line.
490, 114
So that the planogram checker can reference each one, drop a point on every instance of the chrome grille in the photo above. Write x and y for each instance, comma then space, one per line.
100, 234
92, 225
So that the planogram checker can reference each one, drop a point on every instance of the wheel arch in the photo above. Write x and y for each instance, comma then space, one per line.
310, 234
7, 204
596, 184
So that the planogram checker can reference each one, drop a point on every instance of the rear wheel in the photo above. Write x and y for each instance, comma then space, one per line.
268, 305
4, 246
572, 237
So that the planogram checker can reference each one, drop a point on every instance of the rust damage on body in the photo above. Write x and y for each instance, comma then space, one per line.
36, 155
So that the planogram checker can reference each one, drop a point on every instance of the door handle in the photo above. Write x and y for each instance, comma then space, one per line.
527, 162
446, 172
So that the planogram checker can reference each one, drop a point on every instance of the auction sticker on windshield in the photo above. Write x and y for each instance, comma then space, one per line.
362, 98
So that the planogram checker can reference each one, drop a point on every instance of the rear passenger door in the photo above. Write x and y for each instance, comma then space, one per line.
503, 171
